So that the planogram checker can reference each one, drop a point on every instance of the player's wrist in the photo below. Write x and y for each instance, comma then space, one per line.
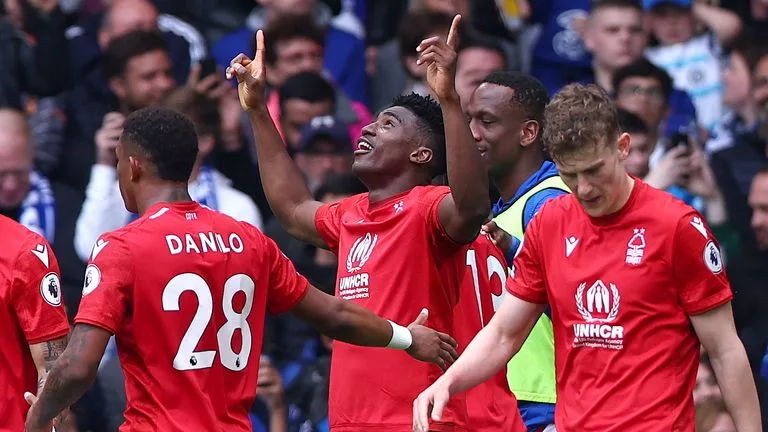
402, 339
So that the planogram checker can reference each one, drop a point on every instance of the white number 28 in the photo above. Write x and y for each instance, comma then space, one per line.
186, 357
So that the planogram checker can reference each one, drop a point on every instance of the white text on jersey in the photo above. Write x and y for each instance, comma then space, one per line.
204, 242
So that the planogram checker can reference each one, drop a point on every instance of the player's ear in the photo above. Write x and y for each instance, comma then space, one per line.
623, 146
422, 155
528, 132
135, 167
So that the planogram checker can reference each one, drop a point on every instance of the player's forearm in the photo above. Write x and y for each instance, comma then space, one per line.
356, 325
65, 384
282, 180
725, 24
466, 174
488, 352
732, 370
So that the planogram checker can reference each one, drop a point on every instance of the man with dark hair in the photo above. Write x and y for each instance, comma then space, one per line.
184, 249
402, 233
640, 287
303, 97
643, 89
479, 56
506, 115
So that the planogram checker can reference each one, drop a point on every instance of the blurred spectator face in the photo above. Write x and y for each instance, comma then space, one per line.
450, 7
706, 391
125, 16
671, 24
288, 6
497, 126
640, 148
146, 80
14, 12
615, 36
737, 80
760, 84
322, 160
643, 97
295, 56
758, 200
297, 113
16, 158
473, 65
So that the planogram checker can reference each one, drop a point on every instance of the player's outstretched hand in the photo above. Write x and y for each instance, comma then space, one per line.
251, 75
429, 345
430, 402
499, 237
64, 422
440, 58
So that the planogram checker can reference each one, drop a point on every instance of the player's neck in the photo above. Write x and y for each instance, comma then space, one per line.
168, 192
509, 183
392, 187
627, 184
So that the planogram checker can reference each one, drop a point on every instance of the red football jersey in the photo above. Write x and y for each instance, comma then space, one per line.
394, 259
491, 406
31, 312
621, 289
185, 290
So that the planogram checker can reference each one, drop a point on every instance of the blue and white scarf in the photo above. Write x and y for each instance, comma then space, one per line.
204, 191
38, 211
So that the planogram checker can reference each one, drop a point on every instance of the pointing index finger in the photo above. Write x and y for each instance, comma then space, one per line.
259, 57
453, 33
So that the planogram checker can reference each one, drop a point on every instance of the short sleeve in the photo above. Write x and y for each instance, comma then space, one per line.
430, 201
698, 266
108, 284
328, 224
526, 276
37, 296
286, 286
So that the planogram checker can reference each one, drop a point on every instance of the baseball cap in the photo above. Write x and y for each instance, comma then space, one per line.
329, 128
650, 4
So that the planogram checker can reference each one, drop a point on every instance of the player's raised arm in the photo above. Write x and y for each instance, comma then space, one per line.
347, 322
283, 183
488, 352
69, 378
467, 207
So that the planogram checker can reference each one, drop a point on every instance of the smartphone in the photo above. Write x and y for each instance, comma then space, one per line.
679, 139
208, 67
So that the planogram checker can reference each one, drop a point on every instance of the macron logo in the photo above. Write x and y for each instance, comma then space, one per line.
699, 225
570, 245
41, 252
98, 247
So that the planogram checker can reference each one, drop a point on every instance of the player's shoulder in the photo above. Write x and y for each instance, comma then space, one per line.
662, 205
557, 205
485, 245
18, 239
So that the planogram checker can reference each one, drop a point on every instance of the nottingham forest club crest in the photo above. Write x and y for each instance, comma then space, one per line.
599, 306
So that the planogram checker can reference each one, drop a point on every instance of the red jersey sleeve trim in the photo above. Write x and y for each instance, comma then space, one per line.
712, 302
58, 333
514, 289
290, 305
94, 322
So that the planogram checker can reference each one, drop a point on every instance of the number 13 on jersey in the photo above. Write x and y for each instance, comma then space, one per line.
186, 357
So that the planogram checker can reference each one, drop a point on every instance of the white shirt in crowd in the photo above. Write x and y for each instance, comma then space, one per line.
103, 209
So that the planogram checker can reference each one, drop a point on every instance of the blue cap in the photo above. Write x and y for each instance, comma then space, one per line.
325, 127
650, 4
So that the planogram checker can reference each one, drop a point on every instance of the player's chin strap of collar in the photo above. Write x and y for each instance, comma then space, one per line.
401, 337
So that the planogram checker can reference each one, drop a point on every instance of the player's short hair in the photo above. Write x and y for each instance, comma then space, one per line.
288, 27
630, 123
346, 184
166, 137
307, 86
528, 93
475, 39
123, 49
623, 4
201, 109
644, 68
428, 112
578, 117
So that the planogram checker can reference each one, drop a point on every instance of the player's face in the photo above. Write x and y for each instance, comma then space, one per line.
389, 144
124, 178
758, 200
472, 66
497, 127
615, 36
596, 175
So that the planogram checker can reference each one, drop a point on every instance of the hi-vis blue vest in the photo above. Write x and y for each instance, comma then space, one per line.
531, 372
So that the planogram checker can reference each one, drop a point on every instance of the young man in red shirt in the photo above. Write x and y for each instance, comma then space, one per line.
635, 281
185, 290
401, 246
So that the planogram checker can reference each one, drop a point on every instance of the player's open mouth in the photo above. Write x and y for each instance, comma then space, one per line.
363, 147
483, 150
